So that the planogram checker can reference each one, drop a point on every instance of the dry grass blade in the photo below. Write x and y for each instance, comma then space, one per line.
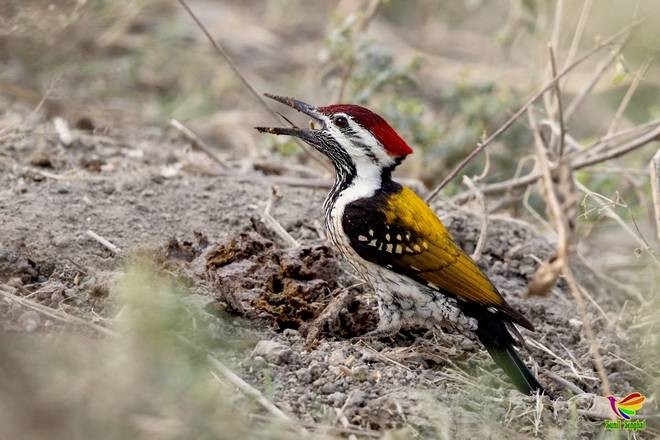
268, 219
197, 142
481, 145
103, 242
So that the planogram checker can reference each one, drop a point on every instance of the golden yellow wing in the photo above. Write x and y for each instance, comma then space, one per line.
396, 229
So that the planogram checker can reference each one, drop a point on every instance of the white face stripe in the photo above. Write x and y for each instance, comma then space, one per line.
357, 146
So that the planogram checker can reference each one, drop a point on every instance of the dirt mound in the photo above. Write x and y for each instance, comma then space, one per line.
283, 288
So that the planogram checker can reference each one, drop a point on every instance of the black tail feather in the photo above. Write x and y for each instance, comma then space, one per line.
498, 340
508, 360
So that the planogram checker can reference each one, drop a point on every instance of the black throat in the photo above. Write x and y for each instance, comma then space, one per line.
345, 173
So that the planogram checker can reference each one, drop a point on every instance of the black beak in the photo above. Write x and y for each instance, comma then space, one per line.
302, 107
305, 134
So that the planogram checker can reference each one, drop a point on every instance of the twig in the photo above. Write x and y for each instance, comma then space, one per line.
609, 212
588, 87
629, 94
560, 110
548, 272
103, 241
533, 176
56, 314
561, 359
565, 383
561, 261
221, 50
478, 249
247, 389
517, 114
225, 55
274, 224
197, 142
579, 30
654, 176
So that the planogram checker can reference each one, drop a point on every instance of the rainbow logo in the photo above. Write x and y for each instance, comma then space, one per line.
628, 406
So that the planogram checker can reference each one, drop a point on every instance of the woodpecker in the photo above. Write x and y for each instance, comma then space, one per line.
396, 242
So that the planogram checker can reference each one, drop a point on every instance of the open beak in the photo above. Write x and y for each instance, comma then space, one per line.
305, 134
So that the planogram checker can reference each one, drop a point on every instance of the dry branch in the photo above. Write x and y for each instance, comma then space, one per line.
481, 145
561, 263
528, 179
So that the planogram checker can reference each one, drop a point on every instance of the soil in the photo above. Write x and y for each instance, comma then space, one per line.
147, 192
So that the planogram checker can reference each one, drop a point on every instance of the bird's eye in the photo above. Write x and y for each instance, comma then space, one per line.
341, 121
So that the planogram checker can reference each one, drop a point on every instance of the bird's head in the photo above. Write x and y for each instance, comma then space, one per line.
352, 137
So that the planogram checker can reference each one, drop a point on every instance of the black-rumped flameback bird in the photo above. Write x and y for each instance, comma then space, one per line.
397, 243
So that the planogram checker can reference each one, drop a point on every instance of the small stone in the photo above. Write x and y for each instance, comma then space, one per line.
337, 357
356, 398
258, 362
290, 333
273, 351
360, 373
333, 387
304, 375
575, 323
337, 399
316, 369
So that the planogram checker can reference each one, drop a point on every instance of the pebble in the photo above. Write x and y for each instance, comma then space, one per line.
290, 333
259, 362
337, 357
273, 351
337, 399
356, 398
575, 323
